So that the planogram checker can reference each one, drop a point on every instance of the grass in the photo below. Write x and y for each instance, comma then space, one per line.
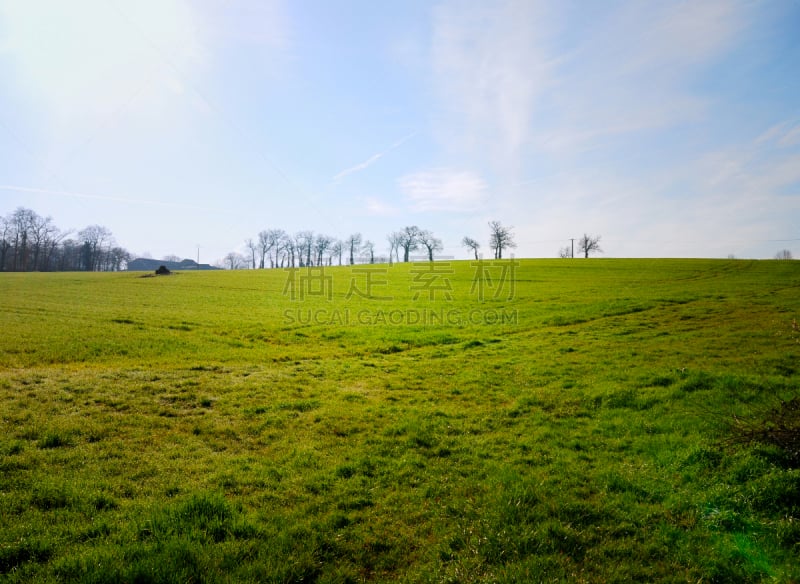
206, 427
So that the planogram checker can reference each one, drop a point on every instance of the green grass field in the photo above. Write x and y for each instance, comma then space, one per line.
546, 421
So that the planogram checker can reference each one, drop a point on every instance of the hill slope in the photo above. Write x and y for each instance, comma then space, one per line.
527, 421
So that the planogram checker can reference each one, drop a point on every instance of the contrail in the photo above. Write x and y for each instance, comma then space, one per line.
372, 159
104, 198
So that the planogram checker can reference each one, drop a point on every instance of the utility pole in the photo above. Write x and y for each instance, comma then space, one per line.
572, 253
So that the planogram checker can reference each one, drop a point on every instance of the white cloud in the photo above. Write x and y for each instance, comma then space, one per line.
444, 189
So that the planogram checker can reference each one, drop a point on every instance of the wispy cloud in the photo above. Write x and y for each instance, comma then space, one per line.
575, 108
631, 72
784, 134
735, 199
97, 197
372, 159
444, 189
489, 66
520, 74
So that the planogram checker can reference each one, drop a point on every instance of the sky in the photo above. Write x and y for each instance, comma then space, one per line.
670, 128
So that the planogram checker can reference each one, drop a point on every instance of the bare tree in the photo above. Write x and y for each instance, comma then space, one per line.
368, 249
51, 251
565, 252
70, 256
429, 242
171, 258
253, 247
92, 239
266, 241
281, 243
784, 254
394, 245
337, 249
500, 238
286, 251
21, 220
304, 242
353, 242
6, 240
41, 228
321, 244
409, 240
589, 244
470, 243
118, 259
234, 261
26, 238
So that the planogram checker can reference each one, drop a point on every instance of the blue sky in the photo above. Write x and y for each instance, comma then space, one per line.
672, 129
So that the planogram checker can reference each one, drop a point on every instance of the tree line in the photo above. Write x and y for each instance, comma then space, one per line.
30, 243
275, 248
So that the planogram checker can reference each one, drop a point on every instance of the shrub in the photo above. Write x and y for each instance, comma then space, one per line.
778, 426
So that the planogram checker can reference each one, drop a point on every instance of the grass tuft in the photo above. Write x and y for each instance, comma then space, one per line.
55, 439
697, 381
14, 556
